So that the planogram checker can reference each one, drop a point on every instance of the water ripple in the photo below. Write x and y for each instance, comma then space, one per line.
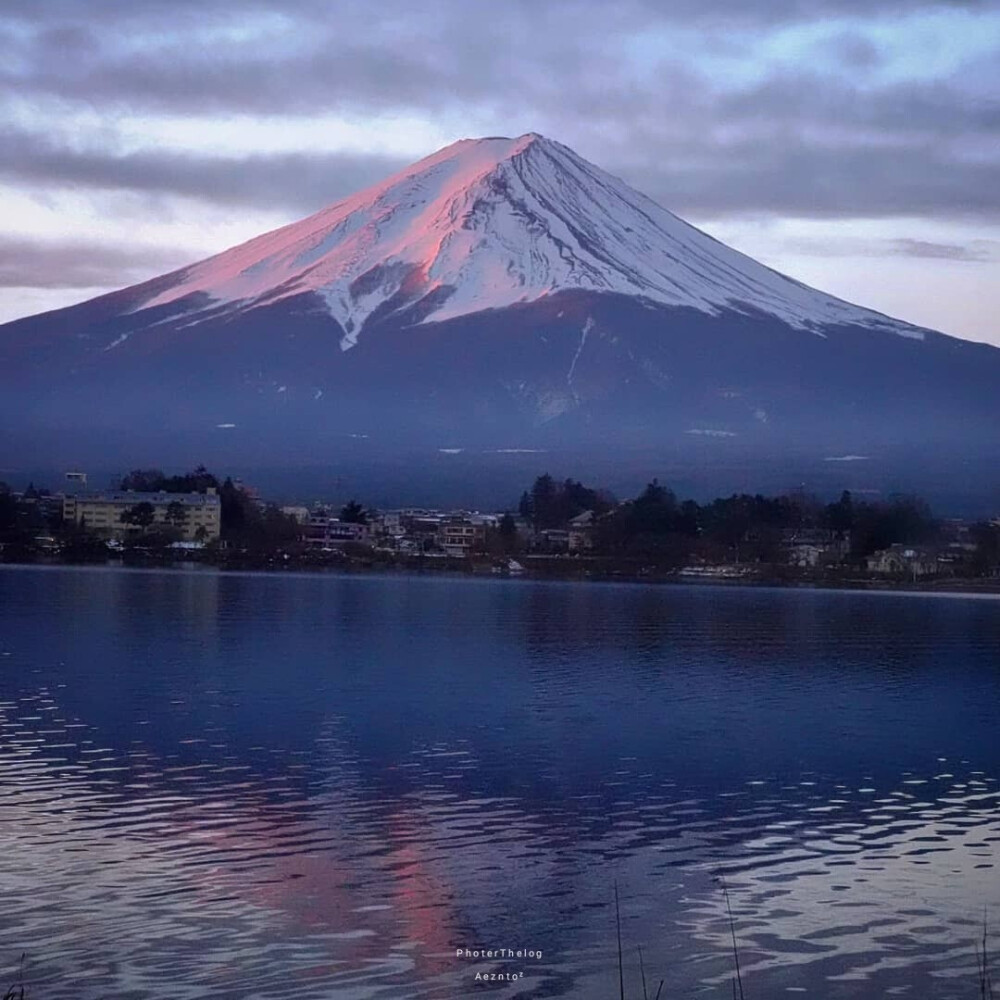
220, 827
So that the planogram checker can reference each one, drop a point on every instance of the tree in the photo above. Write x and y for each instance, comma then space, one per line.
689, 519
551, 504
236, 510
353, 513
8, 508
155, 480
903, 519
143, 480
524, 507
176, 515
277, 528
651, 526
654, 510
198, 481
544, 513
247, 525
506, 534
141, 515
840, 516
986, 560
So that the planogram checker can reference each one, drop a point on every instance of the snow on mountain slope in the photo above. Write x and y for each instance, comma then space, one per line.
487, 223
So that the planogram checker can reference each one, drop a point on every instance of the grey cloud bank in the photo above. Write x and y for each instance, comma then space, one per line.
76, 264
785, 139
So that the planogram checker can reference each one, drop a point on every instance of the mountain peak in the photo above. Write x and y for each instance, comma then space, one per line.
488, 223
511, 145
472, 156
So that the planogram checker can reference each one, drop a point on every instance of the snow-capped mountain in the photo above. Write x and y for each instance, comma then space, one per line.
501, 301
487, 223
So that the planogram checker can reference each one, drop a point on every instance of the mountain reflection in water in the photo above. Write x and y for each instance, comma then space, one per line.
310, 786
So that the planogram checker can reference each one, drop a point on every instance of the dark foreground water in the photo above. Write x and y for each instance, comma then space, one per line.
236, 786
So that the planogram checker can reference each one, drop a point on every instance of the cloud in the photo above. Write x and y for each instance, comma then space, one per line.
975, 251
889, 115
978, 251
38, 264
854, 51
636, 86
173, 12
770, 163
226, 56
297, 181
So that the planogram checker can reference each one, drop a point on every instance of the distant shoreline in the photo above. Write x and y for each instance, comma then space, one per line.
544, 570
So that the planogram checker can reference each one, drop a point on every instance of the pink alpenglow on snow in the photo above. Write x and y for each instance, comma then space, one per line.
488, 223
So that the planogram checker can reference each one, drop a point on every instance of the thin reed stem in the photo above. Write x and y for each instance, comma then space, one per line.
732, 931
621, 967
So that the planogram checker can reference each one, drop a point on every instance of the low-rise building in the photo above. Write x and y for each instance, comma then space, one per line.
197, 517
903, 560
551, 541
458, 536
330, 532
811, 547
392, 527
580, 532
419, 531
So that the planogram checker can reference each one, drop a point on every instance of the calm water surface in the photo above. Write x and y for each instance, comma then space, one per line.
233, 786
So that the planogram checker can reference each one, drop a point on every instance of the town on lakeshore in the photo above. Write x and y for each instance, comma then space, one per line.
558, 529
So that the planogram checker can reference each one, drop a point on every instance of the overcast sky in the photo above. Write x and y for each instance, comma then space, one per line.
853, 144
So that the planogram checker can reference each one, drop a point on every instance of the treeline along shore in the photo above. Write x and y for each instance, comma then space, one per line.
558, 529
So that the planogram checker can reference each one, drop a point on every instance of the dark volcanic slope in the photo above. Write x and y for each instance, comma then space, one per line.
489, 318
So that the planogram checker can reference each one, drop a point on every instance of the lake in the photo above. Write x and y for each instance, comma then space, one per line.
311, 786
